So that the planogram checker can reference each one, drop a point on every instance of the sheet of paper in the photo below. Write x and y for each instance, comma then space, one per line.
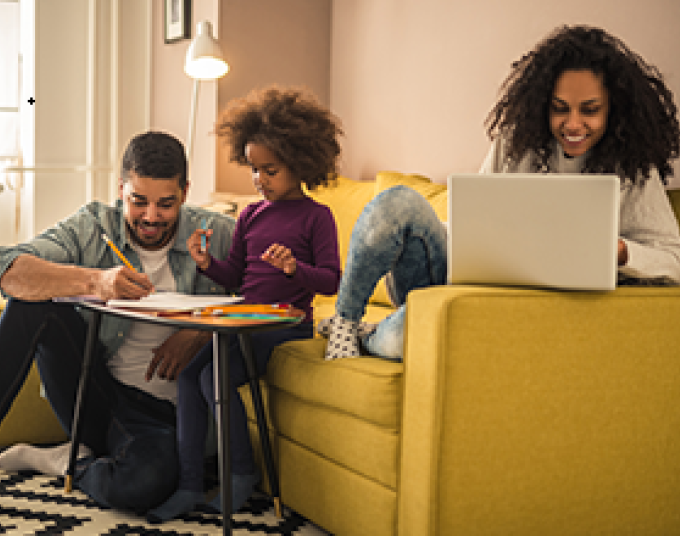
174, 301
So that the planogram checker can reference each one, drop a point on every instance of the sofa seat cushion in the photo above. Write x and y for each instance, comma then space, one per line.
347, 410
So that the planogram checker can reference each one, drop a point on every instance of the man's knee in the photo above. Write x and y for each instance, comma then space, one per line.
143, 476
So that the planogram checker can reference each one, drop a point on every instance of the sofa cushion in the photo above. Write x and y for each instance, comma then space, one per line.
347, 410
346, 199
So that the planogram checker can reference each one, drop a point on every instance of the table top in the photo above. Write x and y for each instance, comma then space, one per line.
205, 323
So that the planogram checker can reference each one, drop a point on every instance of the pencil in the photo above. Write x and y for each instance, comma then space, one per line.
204, 226
118, 253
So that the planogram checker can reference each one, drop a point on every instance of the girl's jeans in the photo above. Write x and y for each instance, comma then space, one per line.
132, 433
397, 231
196, 399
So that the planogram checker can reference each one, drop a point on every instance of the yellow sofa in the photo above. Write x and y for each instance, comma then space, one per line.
515, 412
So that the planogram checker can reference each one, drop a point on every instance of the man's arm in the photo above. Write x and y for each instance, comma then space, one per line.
31, 278
170, 358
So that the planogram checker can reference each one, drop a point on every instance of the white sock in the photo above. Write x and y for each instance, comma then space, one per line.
52, 461
343, 340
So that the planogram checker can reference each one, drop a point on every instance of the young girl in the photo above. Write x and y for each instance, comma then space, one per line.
579, 102
284, 250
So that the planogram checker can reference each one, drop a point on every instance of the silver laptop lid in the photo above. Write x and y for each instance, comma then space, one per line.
538, 230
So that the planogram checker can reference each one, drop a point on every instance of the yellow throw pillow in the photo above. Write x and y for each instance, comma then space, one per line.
434, 192
346, 199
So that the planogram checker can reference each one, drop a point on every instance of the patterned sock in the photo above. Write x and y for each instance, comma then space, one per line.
52, 461
343, 340
180, 502
323, 328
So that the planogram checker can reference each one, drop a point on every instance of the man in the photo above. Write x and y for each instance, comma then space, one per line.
128, 459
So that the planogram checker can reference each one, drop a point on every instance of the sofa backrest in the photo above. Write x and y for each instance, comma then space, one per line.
674, 197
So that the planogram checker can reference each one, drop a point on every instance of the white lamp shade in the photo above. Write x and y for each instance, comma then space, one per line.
204, 57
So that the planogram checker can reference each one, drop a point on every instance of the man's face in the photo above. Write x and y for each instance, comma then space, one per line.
151, 208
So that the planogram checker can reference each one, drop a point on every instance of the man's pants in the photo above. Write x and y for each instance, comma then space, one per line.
131, 433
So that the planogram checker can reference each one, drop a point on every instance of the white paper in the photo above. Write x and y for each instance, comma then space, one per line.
164, 301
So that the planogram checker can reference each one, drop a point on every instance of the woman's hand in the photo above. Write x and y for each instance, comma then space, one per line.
280, 257
200, 256
622, 255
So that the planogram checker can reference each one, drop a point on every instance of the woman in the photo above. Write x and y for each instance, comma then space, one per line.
579, 102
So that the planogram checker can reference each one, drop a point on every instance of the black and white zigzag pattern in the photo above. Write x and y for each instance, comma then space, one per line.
34, 504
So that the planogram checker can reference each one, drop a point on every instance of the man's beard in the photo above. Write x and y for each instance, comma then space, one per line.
161, 241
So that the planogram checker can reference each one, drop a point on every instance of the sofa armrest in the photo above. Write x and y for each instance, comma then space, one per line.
529, 411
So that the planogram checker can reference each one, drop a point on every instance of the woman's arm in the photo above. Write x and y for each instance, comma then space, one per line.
649, 229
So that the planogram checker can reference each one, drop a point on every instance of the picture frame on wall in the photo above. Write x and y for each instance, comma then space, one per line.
177, 20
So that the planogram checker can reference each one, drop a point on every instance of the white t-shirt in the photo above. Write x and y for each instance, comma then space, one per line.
129, 364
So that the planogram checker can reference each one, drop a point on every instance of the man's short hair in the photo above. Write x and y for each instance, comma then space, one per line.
157, 155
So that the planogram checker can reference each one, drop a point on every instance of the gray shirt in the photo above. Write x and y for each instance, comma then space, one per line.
77, 240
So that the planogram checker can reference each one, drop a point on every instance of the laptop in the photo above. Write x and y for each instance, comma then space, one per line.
536, 230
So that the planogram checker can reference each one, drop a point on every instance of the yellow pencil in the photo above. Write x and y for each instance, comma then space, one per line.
117, 252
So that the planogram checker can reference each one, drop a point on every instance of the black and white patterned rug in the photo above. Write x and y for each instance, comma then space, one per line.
34, 504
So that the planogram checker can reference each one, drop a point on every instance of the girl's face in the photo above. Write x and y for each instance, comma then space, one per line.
271, 177
578, 111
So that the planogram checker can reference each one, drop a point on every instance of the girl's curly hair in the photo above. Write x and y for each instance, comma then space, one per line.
642, 126
292, 124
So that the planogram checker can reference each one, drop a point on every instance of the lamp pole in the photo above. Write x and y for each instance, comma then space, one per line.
203, 62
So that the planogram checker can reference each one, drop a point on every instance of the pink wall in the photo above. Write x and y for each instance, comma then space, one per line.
414, 80
286, 42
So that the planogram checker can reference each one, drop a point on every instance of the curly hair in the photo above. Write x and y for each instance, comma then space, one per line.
642, 126
293, 125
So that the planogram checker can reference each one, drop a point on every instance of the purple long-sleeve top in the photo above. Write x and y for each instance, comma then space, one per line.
304, 226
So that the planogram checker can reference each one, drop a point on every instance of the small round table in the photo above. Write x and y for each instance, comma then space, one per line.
221, 327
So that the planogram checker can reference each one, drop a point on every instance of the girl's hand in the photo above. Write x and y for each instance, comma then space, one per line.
280, 257
202, 258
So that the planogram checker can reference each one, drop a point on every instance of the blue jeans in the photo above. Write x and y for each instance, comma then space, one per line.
132, 433
399, 232
196, 394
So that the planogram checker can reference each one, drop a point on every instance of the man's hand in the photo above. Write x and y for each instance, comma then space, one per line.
121, 282
31, 278
280, 257
170, 358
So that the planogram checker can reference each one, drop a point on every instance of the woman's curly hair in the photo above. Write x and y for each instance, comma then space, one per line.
642, 126
292, 124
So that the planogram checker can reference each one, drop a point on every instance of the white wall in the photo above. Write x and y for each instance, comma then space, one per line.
87, 64
414, 80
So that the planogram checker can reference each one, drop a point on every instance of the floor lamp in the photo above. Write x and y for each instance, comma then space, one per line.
203, 62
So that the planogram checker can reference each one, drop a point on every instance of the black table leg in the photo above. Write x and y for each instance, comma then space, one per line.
221, 377
247, 351
76, 426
